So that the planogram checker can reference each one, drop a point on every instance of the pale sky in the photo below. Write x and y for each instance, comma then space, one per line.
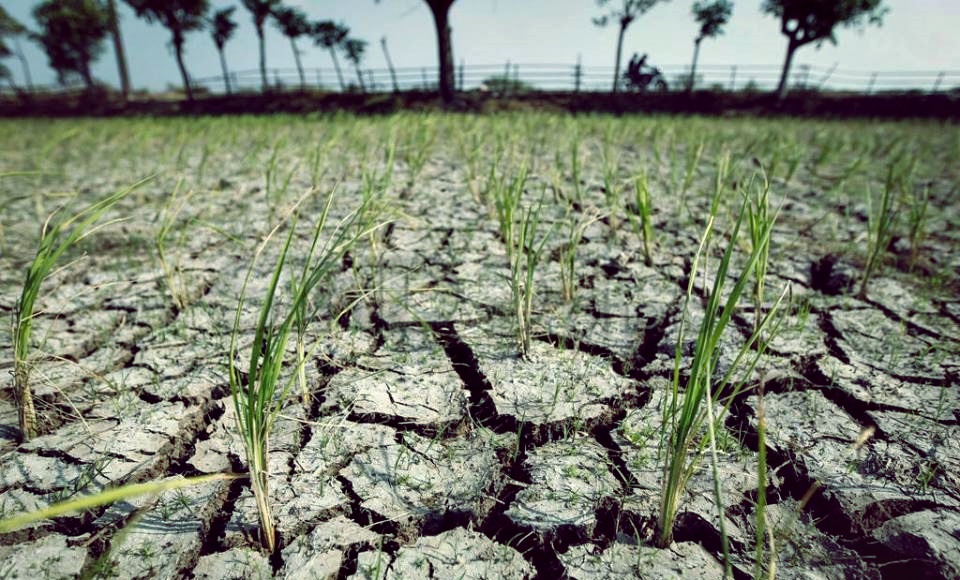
917, 35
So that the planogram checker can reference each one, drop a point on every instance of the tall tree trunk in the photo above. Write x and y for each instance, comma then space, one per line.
296, 57
87, 75
336, 65
792, 47
363, 88
616, 67
263, 58
393, 73
118, 49
693, 67
27, 77
223, 65
178, 49
441, 18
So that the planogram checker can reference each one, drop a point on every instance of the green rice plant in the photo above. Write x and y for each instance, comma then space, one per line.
639, 215
612, 189
172, 273
690, 166
758, 220
685, 420
764, 535
569, 280
259, 396
575, 169
506, 200
56, 237
880, 221
917, 221
417, 148
525, 257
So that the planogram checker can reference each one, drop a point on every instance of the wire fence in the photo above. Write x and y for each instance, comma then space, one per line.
527, 77
520, 77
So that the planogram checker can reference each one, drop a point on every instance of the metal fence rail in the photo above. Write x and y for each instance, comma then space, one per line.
521, 77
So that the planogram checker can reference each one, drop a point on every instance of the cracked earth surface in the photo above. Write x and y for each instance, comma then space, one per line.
425, 446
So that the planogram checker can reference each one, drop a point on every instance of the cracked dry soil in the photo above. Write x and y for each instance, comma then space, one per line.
425, 446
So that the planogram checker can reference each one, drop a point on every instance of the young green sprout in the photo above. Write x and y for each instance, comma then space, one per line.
688, 414
760, 221
173, 274
506, 200
56, 237
526, 255
568, 253
259, 398
880, 224
640, 215
917, 219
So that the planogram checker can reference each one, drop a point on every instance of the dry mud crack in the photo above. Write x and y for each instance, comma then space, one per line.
424, 445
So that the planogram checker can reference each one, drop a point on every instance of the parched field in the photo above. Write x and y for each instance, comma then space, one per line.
511, 312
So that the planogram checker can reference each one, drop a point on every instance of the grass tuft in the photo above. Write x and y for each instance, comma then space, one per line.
259, 396
56, 237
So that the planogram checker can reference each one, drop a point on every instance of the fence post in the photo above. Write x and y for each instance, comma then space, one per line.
462, 66
577, 74
516, 78
873, 79
506, 79
423, 75
936, 85
319, 79
733, 78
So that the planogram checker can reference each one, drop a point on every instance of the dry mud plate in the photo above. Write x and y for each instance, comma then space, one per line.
424, 445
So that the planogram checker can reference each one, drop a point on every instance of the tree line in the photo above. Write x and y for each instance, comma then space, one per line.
72, 32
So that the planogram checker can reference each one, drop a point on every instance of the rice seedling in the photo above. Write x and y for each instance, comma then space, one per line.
917, 216
416, 149
56, 237
686, 415
759, 220
879, 226
764, 538
639, 215
526, 255
568, 253
259, 395
506, 200
172, 273
575, 169
690, 166
612, 189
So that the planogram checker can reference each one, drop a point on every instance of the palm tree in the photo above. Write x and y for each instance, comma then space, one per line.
711, 16
331, 36
10, 27
72, 34
260, 10
222, 27
440, 9
625, 15
293, 24
354, 48
118, 48
179, 17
